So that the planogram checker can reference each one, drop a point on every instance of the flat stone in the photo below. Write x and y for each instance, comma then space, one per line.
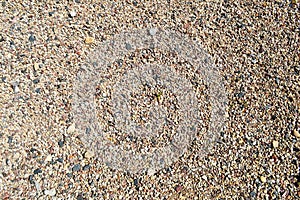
71, 129
263, 179
51, 192
76, 168
89, 40
48, 158
296, 133
72, 13
152, 31
89, 154
275, 144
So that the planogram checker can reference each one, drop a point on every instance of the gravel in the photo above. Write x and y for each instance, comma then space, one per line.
255, 43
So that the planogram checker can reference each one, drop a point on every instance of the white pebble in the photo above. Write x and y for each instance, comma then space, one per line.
51, 192
71, 128
152, 31
72, 13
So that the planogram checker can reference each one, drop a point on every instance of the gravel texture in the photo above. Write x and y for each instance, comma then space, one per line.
44, 44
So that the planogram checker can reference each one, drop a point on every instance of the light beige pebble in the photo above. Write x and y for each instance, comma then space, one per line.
89, 154
89, 40
36, 66
296, 133
71, 128
263, 179
48, 158
275, 144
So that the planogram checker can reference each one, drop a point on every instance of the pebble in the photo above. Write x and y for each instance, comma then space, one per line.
86, 167
51, 192
275, 144
61, 143
16, 89
71, 128
48, 158
89, 154
296, 133
36, 66
37, 186
263, 179
31, 38
152, 31
37, 171
72, 13
89, 40
76, 168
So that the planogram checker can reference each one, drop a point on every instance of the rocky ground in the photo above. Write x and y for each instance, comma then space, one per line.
44, 44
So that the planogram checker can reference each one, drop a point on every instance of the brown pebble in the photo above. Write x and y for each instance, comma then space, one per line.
296, 133
89, 40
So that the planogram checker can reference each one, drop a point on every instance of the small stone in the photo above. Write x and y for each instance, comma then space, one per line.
296, 133
128, 46
89, 154
89, 40
151, 171
71, 128
152, 31
72, 13
253, 194
16, 89
86, 167
36, 81
275, 144
60, 143
31, 179
37, 186
10, 139
38, 90
263, 179
31, 38
60, 160
48, 158
36, 66
3, 79
76, 168
51, 192
37, 171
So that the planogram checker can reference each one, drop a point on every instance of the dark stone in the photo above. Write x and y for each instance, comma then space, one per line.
61, 143
136, 182
76, 168
135, 3
30, 178
60, 160
253, 194
31, 38
70, 175
86, 167
80, 197
37, 171
36, 81
38, 90
51, 13
88, 130
10, 138
128, 46
3, 79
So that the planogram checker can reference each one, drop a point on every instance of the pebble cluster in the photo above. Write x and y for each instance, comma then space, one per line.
44, 44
